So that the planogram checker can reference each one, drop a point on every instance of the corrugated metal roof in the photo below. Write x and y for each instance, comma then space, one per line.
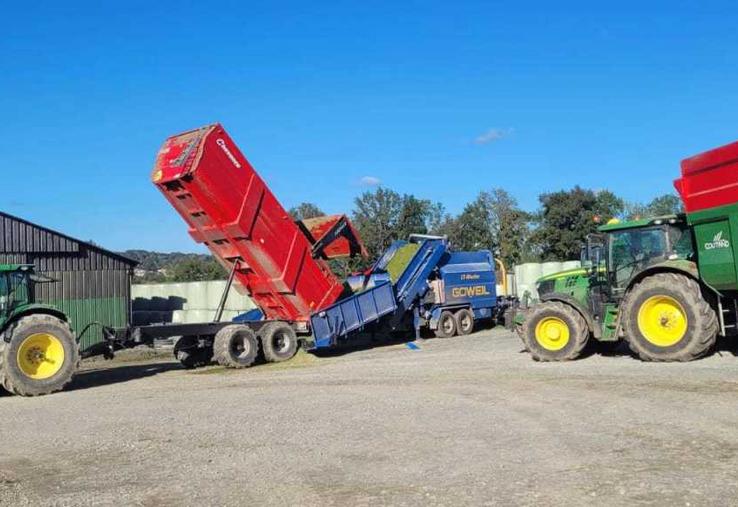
21, 236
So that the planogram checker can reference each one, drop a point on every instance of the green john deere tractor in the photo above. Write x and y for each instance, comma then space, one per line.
642, 282
38, 351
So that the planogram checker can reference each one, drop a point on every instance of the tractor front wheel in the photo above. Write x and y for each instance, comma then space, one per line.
667, 318
554, 331
38, 355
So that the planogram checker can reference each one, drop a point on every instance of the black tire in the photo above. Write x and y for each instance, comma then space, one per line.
235, 347
446, 325
19, 378
278, 341
545, 347
188, 352
699, 333
464, 321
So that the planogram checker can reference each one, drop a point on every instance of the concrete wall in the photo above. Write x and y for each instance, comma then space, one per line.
184, 302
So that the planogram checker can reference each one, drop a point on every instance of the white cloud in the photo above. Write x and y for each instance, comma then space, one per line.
370, 181
492, 135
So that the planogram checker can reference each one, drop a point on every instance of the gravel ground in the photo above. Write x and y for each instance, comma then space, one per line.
465, 421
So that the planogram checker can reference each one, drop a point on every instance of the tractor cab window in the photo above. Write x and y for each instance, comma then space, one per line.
16, 289
681, 242
635, 249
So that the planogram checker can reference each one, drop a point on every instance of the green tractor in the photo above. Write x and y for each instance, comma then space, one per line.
38, 350
666, 285
643, 281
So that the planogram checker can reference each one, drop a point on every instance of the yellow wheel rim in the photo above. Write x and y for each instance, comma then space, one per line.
552, 333
662, 321
41, 356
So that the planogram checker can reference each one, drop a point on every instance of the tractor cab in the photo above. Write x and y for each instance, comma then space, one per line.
622, 251
16, 289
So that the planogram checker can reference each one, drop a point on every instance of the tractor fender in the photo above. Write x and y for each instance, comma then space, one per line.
31, 310
579, 307
678, 266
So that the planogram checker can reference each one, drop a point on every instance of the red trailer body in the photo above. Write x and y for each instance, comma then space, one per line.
229, 208
709, 179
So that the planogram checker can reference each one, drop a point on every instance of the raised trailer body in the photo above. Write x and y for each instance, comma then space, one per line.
229, 209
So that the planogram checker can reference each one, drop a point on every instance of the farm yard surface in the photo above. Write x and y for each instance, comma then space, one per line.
464, 421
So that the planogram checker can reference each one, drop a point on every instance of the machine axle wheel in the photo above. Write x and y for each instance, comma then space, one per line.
235, 347
278, 341
446, 325
464, 321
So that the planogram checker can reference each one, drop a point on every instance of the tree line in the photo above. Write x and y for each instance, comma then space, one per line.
495, 221
492, 221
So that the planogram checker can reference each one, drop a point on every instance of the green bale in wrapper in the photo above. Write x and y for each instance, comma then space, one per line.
400, 260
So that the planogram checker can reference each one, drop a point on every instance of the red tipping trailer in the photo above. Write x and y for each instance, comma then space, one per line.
709, 179
229, 208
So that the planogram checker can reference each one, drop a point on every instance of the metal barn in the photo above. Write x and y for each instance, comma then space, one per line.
90, 284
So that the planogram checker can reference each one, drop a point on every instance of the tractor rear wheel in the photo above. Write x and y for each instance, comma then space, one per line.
235, 347
666, 318
464, 321
446, 325
554, 331
38, 355
278, 341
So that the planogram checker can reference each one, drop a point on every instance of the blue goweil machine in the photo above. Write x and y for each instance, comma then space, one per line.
442, 290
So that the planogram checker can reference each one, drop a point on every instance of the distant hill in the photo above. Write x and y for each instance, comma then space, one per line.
156, 267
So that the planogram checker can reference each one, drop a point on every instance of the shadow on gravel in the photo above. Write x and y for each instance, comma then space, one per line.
87, 379
365, 342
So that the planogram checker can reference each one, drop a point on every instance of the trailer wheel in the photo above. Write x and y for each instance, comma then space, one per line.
666, 318
278, 341
38, 355
188, 352
554, 331
464, 321
235, 347
446, 325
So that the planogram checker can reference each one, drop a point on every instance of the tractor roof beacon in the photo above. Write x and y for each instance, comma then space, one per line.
667, 285
38, 350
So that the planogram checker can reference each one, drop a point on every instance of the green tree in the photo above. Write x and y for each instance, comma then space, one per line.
667, 204
493, 221
305, 210
383, 216
375, 216
510, 227
472, 229
197, 269
567, 216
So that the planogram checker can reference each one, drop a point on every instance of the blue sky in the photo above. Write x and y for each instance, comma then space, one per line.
440, 99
